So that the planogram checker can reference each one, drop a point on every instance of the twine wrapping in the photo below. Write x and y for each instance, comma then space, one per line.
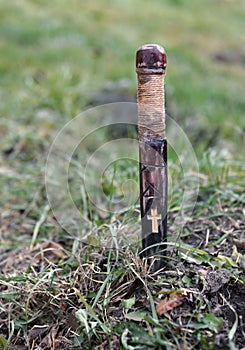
151, 106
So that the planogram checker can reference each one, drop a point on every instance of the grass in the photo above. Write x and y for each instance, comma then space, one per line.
89, 289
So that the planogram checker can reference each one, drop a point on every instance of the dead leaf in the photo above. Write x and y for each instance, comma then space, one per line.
114, 345
203, 271
72, 321
50, 248
239, 243
37, 331
169, 303
50, 341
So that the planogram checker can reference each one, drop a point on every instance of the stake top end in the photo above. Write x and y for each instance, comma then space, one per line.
151, 57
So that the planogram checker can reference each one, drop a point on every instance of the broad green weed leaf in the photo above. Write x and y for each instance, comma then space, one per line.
128, 303
137, 316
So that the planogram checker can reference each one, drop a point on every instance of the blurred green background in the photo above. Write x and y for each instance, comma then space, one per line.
59, 58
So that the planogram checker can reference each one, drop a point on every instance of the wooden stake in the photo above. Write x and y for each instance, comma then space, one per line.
150, 68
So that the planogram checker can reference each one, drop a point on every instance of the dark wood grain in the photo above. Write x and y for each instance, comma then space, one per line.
153, 199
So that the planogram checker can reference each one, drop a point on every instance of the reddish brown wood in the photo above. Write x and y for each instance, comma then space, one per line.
151, 56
